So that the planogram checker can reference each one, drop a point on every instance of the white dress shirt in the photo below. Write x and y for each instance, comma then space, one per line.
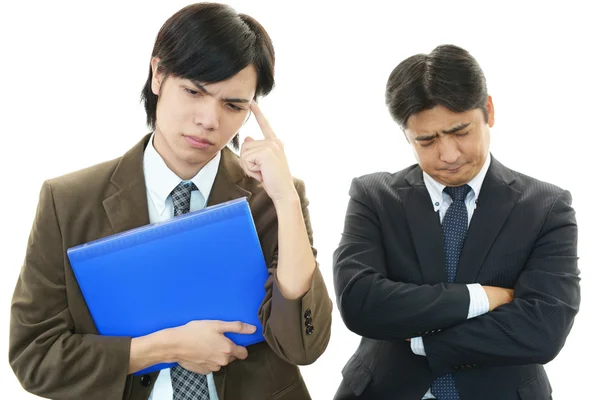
160, 181
441, 201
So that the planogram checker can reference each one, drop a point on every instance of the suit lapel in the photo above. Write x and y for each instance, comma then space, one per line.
425, 227
495, 203
128, 207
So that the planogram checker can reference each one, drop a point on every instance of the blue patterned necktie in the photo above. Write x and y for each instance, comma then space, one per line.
186, 385
454, 227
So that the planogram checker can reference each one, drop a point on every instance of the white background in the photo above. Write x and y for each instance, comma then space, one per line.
71, 74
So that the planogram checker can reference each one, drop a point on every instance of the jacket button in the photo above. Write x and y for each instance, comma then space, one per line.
307, 321
310, 329
145, 380
307, 313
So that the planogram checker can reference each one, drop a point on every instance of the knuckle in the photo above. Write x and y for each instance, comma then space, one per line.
230, 348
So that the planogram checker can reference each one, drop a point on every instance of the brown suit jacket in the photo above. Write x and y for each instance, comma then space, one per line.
55, 350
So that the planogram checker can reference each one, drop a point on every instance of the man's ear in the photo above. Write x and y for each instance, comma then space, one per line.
490, 111
157, 76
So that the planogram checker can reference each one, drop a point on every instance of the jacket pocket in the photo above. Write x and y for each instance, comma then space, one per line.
296, 390
356, 375
537, 388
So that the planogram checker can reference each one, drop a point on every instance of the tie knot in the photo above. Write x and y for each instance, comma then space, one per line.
458, 193
181, 195
184, 187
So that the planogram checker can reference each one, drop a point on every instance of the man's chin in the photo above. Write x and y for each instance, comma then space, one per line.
199, 157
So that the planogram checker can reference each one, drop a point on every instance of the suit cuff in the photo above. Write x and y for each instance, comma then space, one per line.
479, 303
300, 327
417, 346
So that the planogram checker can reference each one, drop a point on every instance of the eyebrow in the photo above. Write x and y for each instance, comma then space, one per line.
201, 88
457, 128
425, 138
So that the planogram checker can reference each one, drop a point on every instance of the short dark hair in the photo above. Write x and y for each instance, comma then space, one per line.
449, 76
210, 42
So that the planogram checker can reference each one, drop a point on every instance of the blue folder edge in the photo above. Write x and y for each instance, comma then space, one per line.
131, 237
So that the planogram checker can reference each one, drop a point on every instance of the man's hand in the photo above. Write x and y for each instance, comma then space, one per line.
265, 161
498, 296
202, 347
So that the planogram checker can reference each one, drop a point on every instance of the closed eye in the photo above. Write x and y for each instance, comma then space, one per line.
233, 107
193, 92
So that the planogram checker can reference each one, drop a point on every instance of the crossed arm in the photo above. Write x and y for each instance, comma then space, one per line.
530, 329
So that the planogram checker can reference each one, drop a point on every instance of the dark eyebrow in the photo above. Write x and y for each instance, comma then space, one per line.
425, 138
201, 88
458, 128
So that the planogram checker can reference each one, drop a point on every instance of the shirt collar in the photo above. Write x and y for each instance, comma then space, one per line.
436, 189
160, 180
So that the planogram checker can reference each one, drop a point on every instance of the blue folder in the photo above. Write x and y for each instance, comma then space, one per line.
206, 264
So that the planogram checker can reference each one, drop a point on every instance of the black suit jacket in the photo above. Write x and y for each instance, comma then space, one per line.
390, 285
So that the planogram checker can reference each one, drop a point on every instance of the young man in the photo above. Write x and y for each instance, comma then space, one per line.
208, 65
460, 274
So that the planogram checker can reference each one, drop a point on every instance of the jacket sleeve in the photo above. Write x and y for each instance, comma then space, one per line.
533, 328
371, 304
297, 330
49, 359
